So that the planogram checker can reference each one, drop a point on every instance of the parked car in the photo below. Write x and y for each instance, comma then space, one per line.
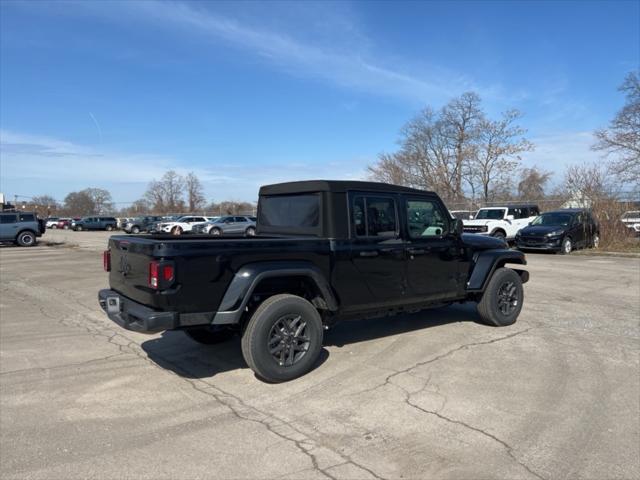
95, 223
65, 223
229, 225
501, 222
325, 251
560, 231
21, 228
52, 222
631, 219
141, 224
181, 225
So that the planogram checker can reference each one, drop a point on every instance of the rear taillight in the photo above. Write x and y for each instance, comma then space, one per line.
106, 260
161, 274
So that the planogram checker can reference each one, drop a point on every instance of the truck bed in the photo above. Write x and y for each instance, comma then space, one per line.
204, 265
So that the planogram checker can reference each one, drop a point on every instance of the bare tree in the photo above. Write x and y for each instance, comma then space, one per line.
496, 155
455, 150
622, 138
195, 192
586, 185
45, 205
231, 208
165, 195
79, 203
462, 120
102, 201
533, 183
434, 147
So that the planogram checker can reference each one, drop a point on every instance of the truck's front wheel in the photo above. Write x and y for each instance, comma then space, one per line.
502, 300
283, 338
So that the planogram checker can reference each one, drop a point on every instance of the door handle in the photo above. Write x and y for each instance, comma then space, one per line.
369, 253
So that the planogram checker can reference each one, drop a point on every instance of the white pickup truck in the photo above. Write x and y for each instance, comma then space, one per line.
501, 222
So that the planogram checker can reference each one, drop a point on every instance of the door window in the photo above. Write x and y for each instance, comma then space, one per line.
7, 218
425, 219
374, 217
27, 217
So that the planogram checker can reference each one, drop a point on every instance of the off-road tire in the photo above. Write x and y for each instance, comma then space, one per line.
26, 239
499, 234
209, 335
489, 305
258, 334
566, 247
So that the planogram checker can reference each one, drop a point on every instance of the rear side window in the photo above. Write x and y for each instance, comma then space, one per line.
27, 217
290, 211
374, 216
8, 218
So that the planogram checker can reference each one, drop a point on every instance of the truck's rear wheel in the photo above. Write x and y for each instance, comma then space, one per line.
283, 338
209, 335
499, 234
501, 301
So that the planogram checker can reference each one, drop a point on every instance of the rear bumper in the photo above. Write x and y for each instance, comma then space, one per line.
134, 316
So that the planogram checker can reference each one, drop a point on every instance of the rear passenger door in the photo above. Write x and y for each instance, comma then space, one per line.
8, 226
377, 248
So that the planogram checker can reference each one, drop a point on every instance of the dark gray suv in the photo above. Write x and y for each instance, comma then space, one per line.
95, 223
21, 228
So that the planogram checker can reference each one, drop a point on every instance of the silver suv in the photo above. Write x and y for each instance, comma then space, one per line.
229, 225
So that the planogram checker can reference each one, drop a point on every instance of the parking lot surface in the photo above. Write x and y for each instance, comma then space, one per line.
428, 395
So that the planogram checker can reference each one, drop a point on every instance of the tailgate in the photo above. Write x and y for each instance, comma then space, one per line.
129, 274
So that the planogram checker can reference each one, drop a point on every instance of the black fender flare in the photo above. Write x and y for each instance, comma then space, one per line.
486, 262
248, 277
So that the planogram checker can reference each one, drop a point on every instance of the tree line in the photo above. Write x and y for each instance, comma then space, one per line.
171, 194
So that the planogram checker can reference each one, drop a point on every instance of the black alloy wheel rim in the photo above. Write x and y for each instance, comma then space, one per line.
288, 342
507, 298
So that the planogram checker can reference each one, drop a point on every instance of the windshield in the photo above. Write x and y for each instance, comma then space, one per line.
553, 220
491, 214
220, 220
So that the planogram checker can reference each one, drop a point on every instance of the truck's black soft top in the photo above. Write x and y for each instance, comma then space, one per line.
334, 186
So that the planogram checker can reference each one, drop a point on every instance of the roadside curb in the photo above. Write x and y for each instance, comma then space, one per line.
609, 254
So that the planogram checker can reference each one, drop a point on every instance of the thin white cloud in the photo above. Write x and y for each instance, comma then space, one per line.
36, 164
554, 152
349, 59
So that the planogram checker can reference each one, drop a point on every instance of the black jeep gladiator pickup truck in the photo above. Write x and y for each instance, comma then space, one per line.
324, 251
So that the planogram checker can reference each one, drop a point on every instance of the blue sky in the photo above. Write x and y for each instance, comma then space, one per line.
112, 94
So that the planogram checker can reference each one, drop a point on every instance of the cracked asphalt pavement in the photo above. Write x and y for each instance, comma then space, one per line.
428, 395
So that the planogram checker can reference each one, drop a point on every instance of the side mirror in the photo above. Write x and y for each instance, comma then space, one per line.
510, 218
458, 227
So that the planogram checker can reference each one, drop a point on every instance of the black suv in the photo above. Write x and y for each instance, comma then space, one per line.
560, 231
324, 251
21, 228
